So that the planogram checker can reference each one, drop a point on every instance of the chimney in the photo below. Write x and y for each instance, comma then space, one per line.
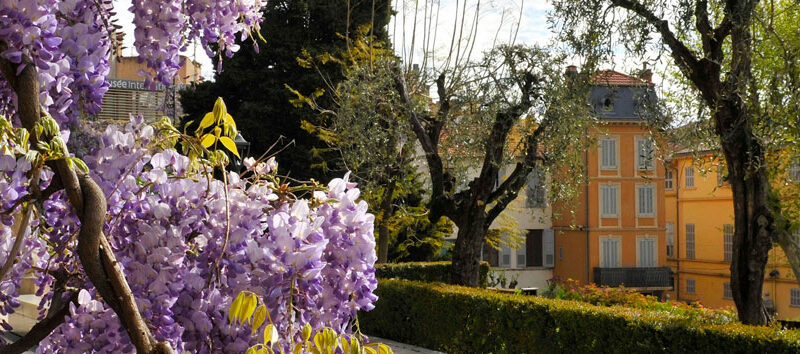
571, 72
572, 69
646, 74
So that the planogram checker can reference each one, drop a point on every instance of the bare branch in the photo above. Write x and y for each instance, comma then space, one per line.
41, 329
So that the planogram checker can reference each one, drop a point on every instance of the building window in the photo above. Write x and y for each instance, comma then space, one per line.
521, 254
610, 252
668, 179
690, 241
726, 291
536, 191
645, 196
689, 172
670, 240
794, 297
505, 256
646, 251
727, 234
608, 157
794, 172
644, 153
609, 201
690, 286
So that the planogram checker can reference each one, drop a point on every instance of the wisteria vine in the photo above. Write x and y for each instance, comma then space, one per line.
70, 42
311, 260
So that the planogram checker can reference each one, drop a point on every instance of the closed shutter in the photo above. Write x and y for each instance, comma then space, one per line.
609, 197
647, 252
609, 153
548, 244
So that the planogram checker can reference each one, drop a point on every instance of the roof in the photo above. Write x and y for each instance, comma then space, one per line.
611, 77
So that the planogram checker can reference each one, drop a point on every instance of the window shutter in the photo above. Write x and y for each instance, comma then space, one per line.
548, 247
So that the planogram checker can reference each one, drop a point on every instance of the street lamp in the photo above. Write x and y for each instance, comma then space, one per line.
243, 146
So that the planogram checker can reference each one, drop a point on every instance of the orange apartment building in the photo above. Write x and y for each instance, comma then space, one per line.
127, 93
699, 236
615, 233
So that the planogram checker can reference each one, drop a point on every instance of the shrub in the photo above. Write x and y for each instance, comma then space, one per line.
430, 272
606, 296
460, 320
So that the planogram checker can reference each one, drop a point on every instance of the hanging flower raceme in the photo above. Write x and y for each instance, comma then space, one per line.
170, 224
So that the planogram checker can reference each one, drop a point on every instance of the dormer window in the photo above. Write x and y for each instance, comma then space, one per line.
608, 105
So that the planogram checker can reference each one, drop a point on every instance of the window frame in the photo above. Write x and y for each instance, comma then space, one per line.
691, 286
794, 294
652, 211
615, 155
650, 165
535, 188
504, 251
616, 189
670, 239
654, 249
688, 177
727, 242
794, 171
727, 292
693, 254
669, 179
617, 240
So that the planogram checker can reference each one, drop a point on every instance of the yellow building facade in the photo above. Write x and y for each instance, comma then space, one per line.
699, 232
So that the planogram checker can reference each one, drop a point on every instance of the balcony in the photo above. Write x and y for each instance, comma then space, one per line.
656, 278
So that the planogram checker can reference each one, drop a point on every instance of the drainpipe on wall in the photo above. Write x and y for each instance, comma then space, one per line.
586, 224
676, 229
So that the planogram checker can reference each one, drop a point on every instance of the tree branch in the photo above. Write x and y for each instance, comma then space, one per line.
95, 253
509, 189
704, 74
429, 140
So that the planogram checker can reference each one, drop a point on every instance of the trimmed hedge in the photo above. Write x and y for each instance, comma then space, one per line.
457, 319
429, 272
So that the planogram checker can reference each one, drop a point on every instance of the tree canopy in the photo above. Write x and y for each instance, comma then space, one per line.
253, 83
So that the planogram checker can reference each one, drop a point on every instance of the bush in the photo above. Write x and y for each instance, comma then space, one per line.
607, 296
466, 320
429, 272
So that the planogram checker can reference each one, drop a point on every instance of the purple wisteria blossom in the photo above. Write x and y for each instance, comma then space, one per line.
168, 225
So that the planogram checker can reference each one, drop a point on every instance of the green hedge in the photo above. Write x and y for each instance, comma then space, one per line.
429, 272
456, 319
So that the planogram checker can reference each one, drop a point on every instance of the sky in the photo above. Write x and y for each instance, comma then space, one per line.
501, 19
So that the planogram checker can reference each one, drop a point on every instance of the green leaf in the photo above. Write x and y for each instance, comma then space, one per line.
233, 311
384, 349
306, 332
207, 121
319, 340
80, 164
207, 140
219, 110
230, 145
258, 319
270, 334
248, 307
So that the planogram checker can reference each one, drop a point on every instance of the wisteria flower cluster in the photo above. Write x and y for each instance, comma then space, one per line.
69, 42
188, 244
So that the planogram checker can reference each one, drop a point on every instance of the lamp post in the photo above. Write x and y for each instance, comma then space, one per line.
243, 146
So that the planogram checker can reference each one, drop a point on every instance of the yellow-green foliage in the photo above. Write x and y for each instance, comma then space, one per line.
425, 271
246, 309
457, 319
